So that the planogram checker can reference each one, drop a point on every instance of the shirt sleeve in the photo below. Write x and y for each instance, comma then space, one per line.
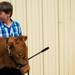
19, 28
20, 31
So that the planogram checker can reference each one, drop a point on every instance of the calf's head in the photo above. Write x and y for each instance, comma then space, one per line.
19, 49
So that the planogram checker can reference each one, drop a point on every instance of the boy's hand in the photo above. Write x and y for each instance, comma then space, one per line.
25, 69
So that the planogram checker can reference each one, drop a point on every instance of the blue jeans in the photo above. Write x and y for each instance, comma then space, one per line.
10, 71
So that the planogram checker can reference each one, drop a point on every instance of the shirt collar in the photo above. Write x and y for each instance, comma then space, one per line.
4, 25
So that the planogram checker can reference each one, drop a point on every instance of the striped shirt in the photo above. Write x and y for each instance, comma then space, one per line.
14, 30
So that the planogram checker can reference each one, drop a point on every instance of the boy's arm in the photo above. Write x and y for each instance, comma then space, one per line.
19, 27
20, 31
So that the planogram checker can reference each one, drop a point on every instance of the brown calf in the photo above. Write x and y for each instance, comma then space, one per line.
18, 51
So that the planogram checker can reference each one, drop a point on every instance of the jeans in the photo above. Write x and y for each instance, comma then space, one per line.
10, 71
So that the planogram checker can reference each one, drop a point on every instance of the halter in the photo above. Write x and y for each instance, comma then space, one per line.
8, 48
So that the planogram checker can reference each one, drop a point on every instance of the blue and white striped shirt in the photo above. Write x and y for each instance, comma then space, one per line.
14, 30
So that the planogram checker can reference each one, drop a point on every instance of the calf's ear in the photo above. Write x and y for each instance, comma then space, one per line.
24, 38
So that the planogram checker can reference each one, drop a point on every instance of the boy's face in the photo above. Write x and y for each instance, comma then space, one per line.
3, 16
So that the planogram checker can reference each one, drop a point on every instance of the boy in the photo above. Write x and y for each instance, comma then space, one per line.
8, 28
